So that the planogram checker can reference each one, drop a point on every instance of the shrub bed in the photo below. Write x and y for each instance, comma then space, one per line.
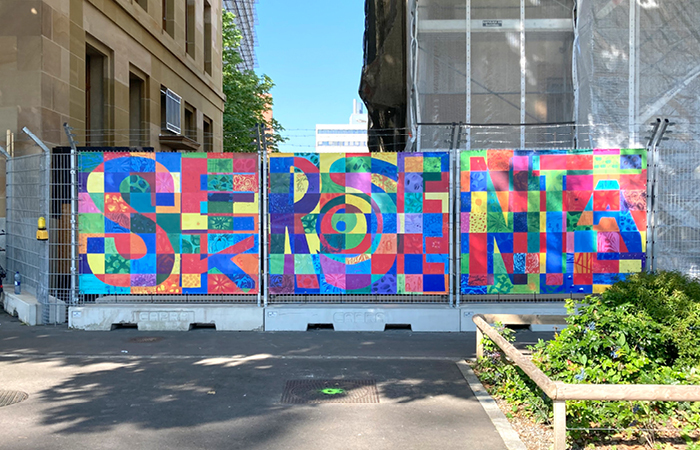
644, 330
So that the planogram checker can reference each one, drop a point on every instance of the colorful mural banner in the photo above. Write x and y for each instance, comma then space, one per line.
359, 223
551, 222
168, 223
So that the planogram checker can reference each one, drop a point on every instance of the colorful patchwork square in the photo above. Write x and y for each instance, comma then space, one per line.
551, 221
359, 224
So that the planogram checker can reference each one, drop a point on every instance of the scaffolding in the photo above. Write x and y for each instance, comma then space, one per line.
608, 67
566, 74
246, 19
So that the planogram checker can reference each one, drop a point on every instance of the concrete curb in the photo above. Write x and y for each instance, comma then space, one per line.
508, 434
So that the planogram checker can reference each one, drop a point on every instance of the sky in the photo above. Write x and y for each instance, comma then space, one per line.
312, 50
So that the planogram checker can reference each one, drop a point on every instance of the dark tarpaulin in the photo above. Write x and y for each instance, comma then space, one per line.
383, 84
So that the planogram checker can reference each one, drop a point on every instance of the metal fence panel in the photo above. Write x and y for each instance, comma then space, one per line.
677, 227
64, 189
46, 269
27, 200
61, 223
338, 236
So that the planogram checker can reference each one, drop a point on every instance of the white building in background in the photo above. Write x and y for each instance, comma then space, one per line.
344, 138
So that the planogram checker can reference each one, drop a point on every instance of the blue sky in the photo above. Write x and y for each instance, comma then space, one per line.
312, 50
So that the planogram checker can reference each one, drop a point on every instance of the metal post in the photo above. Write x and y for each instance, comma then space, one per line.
452, 136
261, 254
523, 67
51, 304
457, 248
413, 85
419, 135
559, 425
38, 141
651, 143
450, 278
468, 117
73, 214
633, 72
655, 192
9, 216
264, 230
574, 77
43, 287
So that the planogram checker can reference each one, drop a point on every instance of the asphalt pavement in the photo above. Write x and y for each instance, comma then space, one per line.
204, 389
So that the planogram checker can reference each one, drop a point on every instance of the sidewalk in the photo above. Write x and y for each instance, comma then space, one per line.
216, 390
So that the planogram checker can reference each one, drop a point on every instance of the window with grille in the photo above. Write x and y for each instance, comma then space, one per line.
171, 111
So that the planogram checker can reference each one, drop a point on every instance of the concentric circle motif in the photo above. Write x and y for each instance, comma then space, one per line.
346, 227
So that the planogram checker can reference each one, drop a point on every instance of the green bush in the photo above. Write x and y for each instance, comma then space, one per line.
644, 330
668, 303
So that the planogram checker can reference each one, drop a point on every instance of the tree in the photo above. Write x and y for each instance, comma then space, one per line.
247, 97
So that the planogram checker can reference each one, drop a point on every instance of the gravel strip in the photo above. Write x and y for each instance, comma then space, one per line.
535, 436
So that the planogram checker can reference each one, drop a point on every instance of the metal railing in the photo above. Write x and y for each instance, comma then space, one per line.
559, 392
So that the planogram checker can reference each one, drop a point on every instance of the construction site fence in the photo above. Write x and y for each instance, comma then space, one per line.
43, 185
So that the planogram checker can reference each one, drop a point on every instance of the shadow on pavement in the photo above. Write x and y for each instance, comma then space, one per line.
85, 384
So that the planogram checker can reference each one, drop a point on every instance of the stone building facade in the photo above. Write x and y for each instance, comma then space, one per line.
120, 72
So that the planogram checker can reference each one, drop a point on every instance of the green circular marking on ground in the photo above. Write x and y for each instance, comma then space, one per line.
332, 391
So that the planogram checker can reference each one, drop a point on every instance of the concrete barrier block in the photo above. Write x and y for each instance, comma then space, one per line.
102, 317
57, 310
25, 306
422, 318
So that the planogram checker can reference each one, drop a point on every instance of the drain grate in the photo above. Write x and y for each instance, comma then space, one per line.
330, 391
11, 397
145, 340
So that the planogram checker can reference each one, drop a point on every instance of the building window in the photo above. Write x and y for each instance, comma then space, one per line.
207, 38
169, 17
170, 114
143, 4
190, 121
137, 111
189, 28
208, 135
95, 97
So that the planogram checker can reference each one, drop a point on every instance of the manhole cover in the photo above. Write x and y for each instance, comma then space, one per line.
11, 397
145, 339
330, 391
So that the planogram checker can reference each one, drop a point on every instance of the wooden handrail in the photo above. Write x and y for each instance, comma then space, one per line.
559, 392
630, 392
526, 319
539, 377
